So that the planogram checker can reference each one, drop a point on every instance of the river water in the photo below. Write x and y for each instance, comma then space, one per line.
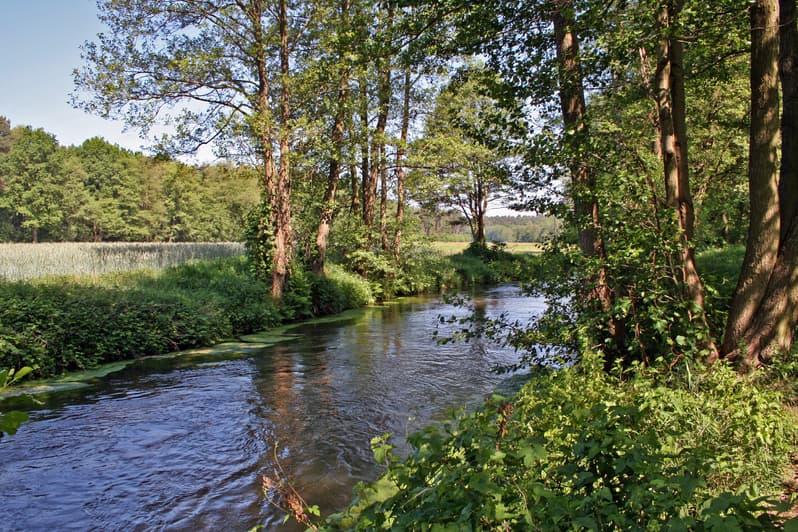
182, 443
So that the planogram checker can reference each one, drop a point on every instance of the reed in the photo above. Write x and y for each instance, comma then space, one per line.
30, 261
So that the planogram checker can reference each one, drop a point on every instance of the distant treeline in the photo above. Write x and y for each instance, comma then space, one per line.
100, 192
452, 227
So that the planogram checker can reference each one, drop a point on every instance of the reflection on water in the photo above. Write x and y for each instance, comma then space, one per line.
181, 444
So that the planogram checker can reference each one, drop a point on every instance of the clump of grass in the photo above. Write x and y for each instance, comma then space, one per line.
30, 261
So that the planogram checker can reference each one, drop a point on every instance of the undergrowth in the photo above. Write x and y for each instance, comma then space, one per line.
578, 449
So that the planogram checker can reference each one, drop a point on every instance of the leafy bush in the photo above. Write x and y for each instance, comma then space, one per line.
339, 290
577, 449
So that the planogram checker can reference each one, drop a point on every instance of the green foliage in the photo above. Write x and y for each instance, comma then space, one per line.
577, 449
64, 324
31, 261
99, 191
10, 421
259, 239
339, 290
483, 264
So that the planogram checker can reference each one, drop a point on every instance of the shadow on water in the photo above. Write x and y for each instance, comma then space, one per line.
181, 443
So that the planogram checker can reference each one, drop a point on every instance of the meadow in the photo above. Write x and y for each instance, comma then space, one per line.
453, 248
20, 262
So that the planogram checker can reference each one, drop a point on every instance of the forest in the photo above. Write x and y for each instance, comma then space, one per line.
659, 134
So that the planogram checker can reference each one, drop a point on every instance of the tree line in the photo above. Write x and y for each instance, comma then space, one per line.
100, 192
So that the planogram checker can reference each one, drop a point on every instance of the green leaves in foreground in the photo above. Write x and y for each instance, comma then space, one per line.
576, 450
10, 421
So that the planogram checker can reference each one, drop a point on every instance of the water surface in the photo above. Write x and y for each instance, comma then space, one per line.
182, 444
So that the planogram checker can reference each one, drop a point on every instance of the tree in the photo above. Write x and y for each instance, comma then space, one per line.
337, 139
764, 312
209, 68
460, 161
34, 181
5, 135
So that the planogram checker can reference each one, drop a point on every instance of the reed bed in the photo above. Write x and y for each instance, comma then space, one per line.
20, 262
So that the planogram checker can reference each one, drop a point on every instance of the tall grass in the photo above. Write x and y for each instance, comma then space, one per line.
30, 261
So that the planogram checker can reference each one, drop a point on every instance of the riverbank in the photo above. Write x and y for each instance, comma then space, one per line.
66, 324
579, 449
666, 445
63, 324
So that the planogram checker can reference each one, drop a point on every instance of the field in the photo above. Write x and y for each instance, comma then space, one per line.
29, 261
452, 248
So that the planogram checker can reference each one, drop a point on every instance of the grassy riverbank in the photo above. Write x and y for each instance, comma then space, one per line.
69, 323
72, 323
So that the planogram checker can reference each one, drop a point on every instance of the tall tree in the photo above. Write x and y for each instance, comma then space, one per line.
337, 137
764, 312
214, 64
672, 133
460, 161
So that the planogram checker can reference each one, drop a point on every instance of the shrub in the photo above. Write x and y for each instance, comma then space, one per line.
339, 290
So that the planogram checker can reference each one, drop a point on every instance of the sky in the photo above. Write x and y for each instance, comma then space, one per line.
39, 49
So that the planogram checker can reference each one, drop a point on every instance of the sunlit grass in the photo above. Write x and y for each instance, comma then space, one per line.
452, 248
31, 261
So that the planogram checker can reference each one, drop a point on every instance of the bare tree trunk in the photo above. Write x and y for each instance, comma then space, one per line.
764, 228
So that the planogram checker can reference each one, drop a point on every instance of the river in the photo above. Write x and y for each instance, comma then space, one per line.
182, 443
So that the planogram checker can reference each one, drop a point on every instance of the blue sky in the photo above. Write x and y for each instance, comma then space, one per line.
39, 48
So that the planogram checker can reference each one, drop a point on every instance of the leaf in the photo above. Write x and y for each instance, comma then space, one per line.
533, 454
10, 421
19, 374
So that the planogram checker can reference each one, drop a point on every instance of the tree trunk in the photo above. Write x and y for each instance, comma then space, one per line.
383, 102
672, 111
481, 205
369, 181
770, 325
282, 208
263, 125
764, 228
385, 243
586, 207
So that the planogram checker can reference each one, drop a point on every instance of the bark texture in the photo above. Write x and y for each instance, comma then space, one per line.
764, 229
767, 329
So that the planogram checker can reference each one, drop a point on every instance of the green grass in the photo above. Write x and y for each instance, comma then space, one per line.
453, 248
31, 261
